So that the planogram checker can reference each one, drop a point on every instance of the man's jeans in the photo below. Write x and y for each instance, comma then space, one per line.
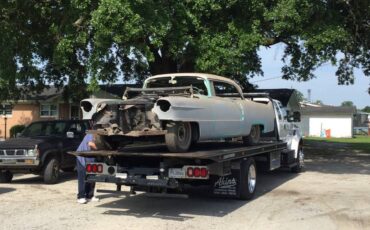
85, 189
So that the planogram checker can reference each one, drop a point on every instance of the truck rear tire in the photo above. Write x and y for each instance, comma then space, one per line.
51, 171
178, 137
248, 179
254, 136
300, 162
6, 177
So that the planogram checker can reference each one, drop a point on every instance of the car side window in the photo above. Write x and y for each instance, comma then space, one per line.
278, 111
77, 128
223, 89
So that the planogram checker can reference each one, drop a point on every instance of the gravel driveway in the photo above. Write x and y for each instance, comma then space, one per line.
333, 193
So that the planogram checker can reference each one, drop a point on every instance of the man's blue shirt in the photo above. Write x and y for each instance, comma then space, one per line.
84, 146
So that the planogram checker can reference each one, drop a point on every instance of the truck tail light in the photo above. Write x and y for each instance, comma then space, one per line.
197, 172
88, 168
189, 172
203, 172
100, 168
94, 168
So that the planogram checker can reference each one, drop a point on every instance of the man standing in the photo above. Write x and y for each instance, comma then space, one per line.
85, 189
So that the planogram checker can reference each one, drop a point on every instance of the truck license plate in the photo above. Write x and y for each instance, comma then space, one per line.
176, 173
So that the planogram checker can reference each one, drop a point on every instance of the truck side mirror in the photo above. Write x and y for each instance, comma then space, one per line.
295, 117
70, 135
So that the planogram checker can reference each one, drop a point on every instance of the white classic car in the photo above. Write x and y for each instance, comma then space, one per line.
184, 108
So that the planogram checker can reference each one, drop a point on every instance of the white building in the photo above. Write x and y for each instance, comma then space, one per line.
320, 120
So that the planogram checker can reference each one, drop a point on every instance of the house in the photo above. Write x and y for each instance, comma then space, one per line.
48, 105
325, 121
361, 123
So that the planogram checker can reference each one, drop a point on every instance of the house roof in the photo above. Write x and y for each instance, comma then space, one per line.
117, 89
328, 110
46, 94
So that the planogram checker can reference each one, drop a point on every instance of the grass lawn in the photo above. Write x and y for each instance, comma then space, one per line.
361, 143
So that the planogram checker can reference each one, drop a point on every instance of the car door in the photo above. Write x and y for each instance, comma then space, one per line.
71, 144
227, 110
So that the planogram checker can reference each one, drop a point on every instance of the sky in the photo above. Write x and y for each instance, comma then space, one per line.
324, 87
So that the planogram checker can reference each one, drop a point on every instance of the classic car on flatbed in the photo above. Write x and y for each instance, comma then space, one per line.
183, 108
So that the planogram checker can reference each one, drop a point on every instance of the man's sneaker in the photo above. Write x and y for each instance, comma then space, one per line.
93, 199
82, 201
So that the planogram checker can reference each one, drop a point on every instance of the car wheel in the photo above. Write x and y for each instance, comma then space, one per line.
51, 171
178, 137
300, 162
254, 136
6, 177
248, 179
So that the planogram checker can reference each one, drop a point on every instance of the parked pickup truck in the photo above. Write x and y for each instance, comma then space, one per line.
42, 149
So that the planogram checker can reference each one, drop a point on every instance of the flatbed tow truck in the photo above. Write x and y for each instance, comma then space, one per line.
228, 168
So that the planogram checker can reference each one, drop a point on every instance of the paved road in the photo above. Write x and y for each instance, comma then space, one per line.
333, 193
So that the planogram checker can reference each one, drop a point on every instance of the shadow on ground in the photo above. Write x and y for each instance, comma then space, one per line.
64, 177
336, 158
198, 203
6, 190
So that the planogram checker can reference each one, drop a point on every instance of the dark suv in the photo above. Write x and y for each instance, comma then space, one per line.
42, 149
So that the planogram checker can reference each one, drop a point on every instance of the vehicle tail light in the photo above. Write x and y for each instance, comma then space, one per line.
197, 172
95, 168
189, 172
203, 172
88, 168
100, 168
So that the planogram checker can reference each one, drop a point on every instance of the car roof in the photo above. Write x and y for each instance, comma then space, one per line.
201, 75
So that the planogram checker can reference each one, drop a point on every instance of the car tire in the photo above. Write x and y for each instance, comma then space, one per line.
178, 137
254, 136
51, 171
6, 177
248, 179
300, 162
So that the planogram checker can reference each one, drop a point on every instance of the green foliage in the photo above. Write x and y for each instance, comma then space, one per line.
72, 42
366, 109
16, 129
347, 104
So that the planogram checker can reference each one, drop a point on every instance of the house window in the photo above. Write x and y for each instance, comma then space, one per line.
47, 110
6, 110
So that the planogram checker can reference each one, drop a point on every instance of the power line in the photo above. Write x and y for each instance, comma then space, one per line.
267, 79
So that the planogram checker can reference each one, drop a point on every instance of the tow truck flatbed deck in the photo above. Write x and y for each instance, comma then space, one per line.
215, 151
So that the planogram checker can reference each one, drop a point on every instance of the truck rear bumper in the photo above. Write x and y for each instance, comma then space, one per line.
134, 181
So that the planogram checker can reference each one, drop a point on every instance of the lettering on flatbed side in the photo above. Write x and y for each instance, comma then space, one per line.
225, 186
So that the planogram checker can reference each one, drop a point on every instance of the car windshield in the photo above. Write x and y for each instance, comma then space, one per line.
44, 129
164, 82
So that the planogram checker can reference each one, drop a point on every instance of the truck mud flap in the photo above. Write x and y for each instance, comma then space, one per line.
226, 186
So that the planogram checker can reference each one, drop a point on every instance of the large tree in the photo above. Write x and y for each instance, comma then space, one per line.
70, 43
